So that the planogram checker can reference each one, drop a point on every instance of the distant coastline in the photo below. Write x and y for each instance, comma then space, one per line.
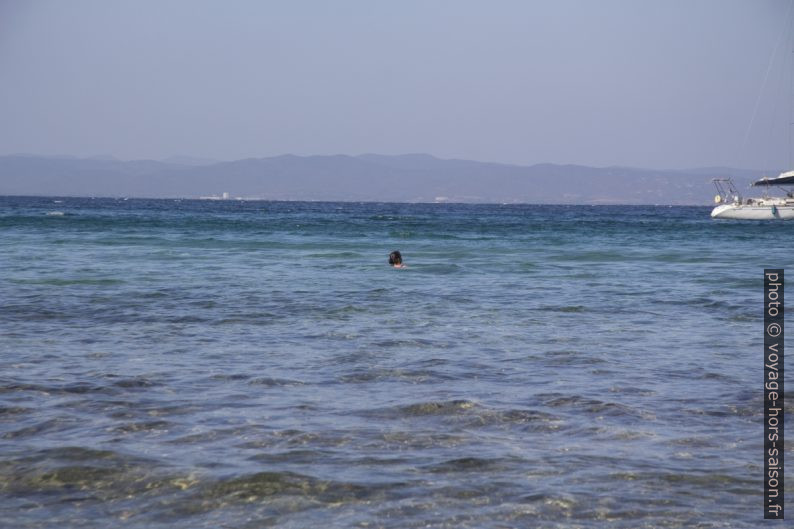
410, 178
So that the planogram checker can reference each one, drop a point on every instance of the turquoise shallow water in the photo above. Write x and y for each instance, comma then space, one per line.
253, 364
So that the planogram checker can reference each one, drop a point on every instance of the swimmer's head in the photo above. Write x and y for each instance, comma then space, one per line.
395, 258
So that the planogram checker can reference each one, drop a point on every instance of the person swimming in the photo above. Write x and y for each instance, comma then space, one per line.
396, 259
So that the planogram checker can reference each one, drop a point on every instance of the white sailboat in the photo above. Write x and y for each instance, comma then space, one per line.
731, 205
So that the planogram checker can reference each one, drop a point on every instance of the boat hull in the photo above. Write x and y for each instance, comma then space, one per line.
746, 212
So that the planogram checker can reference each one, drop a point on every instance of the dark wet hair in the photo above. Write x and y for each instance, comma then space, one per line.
395, 258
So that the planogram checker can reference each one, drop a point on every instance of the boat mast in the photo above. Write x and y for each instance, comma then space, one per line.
785, 34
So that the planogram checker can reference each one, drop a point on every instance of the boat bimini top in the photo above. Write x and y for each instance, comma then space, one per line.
784, 179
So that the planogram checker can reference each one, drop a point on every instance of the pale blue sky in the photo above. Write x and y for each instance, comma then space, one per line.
657, 84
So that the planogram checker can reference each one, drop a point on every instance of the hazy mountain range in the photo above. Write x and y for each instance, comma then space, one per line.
368, 177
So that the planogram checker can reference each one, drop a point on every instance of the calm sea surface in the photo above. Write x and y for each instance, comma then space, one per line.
200, 364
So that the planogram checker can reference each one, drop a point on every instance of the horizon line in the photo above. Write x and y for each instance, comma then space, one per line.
321, 201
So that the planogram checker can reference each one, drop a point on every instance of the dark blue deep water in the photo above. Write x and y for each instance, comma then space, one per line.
198, 364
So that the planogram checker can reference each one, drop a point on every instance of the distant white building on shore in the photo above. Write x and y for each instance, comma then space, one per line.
223, 196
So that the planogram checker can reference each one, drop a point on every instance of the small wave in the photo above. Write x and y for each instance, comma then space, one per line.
294, 456
473, 415
683, 479
77, 388
38, 429
450, 407
421, 409
384, 217
471, 464
230, 377
55, 213
13, 410
711, 375
143, 426
562, 308
398, 440
263, 485
335, 255
419, 376
344, 311
728, 410
595, 406
422, 235
255, 318
101, 475
135, 383
64, 282
275, 382
416, 342
569, 358
593, 257
438, 268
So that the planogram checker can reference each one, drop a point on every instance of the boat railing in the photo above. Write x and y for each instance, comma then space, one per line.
726, 191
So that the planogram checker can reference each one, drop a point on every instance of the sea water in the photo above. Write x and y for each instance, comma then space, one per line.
189, 364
